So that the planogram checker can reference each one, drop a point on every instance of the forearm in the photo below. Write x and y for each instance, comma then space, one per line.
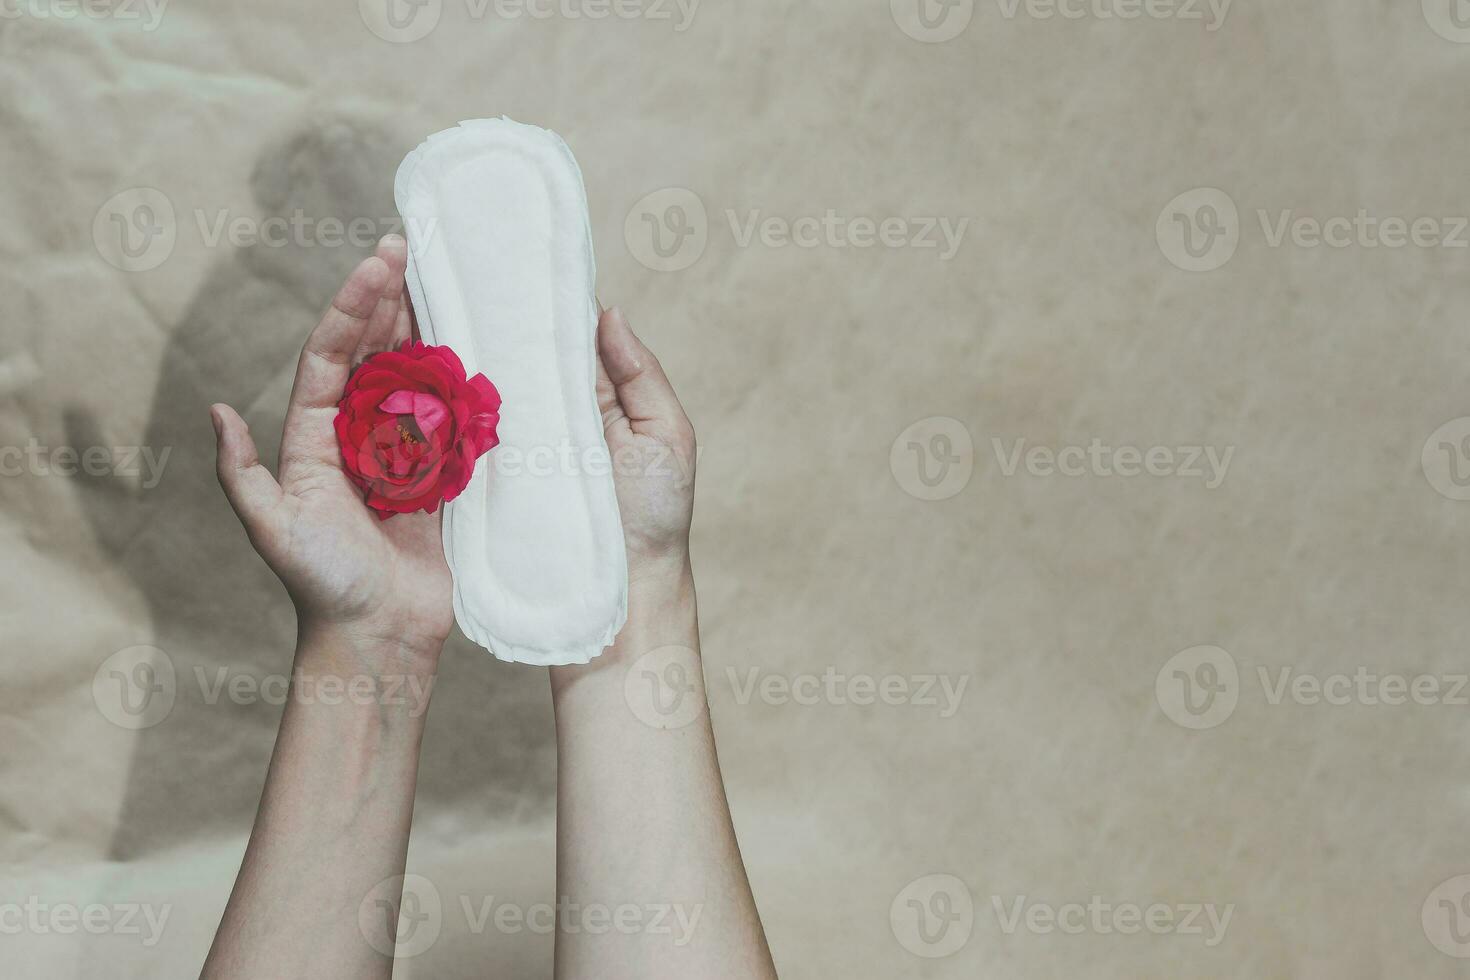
642, 819
334, 819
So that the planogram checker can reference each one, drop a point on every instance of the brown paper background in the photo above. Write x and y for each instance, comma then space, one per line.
1058, 599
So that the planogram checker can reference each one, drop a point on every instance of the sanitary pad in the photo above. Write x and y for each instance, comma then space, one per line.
501, 270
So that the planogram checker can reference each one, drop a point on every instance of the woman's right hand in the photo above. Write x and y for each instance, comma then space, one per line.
653, 451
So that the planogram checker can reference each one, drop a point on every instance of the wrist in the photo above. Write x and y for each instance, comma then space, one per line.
351, 674
364, 647
662, 611
662, 605
659, 574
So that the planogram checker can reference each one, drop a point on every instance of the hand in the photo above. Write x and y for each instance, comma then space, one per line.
345, 570
653, 451
641, 808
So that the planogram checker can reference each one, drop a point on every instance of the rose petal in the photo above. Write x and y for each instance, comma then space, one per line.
428, 411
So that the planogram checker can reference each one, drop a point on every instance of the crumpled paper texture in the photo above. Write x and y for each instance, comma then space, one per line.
1062, 772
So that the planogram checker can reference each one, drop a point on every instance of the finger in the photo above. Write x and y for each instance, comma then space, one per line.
249, 486
407, 325
325, 365
326, 360
643, 390
607, 397
379, 335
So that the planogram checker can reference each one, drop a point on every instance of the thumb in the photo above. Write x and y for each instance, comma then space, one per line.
642, 387
252, 491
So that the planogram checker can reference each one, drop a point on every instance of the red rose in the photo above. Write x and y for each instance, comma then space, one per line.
411, 427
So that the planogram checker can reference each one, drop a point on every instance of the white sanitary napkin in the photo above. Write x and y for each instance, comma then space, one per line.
501, 270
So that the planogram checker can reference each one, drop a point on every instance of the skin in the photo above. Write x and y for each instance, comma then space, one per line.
642, 818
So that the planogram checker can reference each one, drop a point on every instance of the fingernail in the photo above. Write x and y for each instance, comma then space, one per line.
219, 425
393, 240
